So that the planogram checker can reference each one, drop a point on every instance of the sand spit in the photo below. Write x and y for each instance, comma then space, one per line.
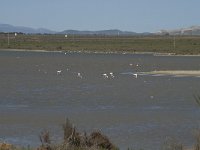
195, 73
28, 50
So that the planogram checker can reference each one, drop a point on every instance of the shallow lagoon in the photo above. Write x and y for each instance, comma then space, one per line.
134, 112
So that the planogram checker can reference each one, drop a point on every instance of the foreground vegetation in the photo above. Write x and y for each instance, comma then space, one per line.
157, 44
74, 140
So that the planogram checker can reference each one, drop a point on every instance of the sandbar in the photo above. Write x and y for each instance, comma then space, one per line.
176, 72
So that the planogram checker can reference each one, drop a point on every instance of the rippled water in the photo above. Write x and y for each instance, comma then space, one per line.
134, 112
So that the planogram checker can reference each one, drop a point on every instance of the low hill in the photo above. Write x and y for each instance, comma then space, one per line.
101, 32
10, 28
193, 30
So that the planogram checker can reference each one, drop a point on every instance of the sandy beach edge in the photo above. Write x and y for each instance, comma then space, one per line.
99, 52
195, 73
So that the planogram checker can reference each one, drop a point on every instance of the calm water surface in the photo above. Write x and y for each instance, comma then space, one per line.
137, 113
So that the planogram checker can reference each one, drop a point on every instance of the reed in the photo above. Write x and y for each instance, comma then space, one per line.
172, 144
74, 140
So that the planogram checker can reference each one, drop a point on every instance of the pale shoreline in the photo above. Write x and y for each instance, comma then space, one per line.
98, 52
195, 73
27, 50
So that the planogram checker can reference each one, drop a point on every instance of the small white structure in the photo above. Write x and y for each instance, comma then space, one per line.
15, 34
65, 35
136, 75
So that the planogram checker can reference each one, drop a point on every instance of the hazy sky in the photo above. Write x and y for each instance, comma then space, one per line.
132, 15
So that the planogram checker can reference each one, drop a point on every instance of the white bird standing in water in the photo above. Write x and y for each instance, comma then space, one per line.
79, 75
105, 76
59, 72
111, 74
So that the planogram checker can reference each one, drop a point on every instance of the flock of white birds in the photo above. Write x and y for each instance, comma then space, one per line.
104, 75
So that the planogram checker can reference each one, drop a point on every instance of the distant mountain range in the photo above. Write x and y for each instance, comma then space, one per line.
10, 28
193, 30
26, 30
102, 32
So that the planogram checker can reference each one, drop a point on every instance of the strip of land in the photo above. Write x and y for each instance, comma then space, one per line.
158, 45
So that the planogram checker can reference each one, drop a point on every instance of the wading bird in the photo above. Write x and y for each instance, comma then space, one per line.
111, 74
79, 75
105, 75
59, 72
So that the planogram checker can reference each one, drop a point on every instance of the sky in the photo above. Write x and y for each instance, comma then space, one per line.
126, 15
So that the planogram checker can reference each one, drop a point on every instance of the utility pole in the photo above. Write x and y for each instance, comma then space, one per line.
15, 37
174, 43
8, 39
73, 37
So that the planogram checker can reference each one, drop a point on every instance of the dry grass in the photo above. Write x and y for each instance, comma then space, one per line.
197, 99
157, 44
74, 140
172, 144
6, 146
45, 139
197, 144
